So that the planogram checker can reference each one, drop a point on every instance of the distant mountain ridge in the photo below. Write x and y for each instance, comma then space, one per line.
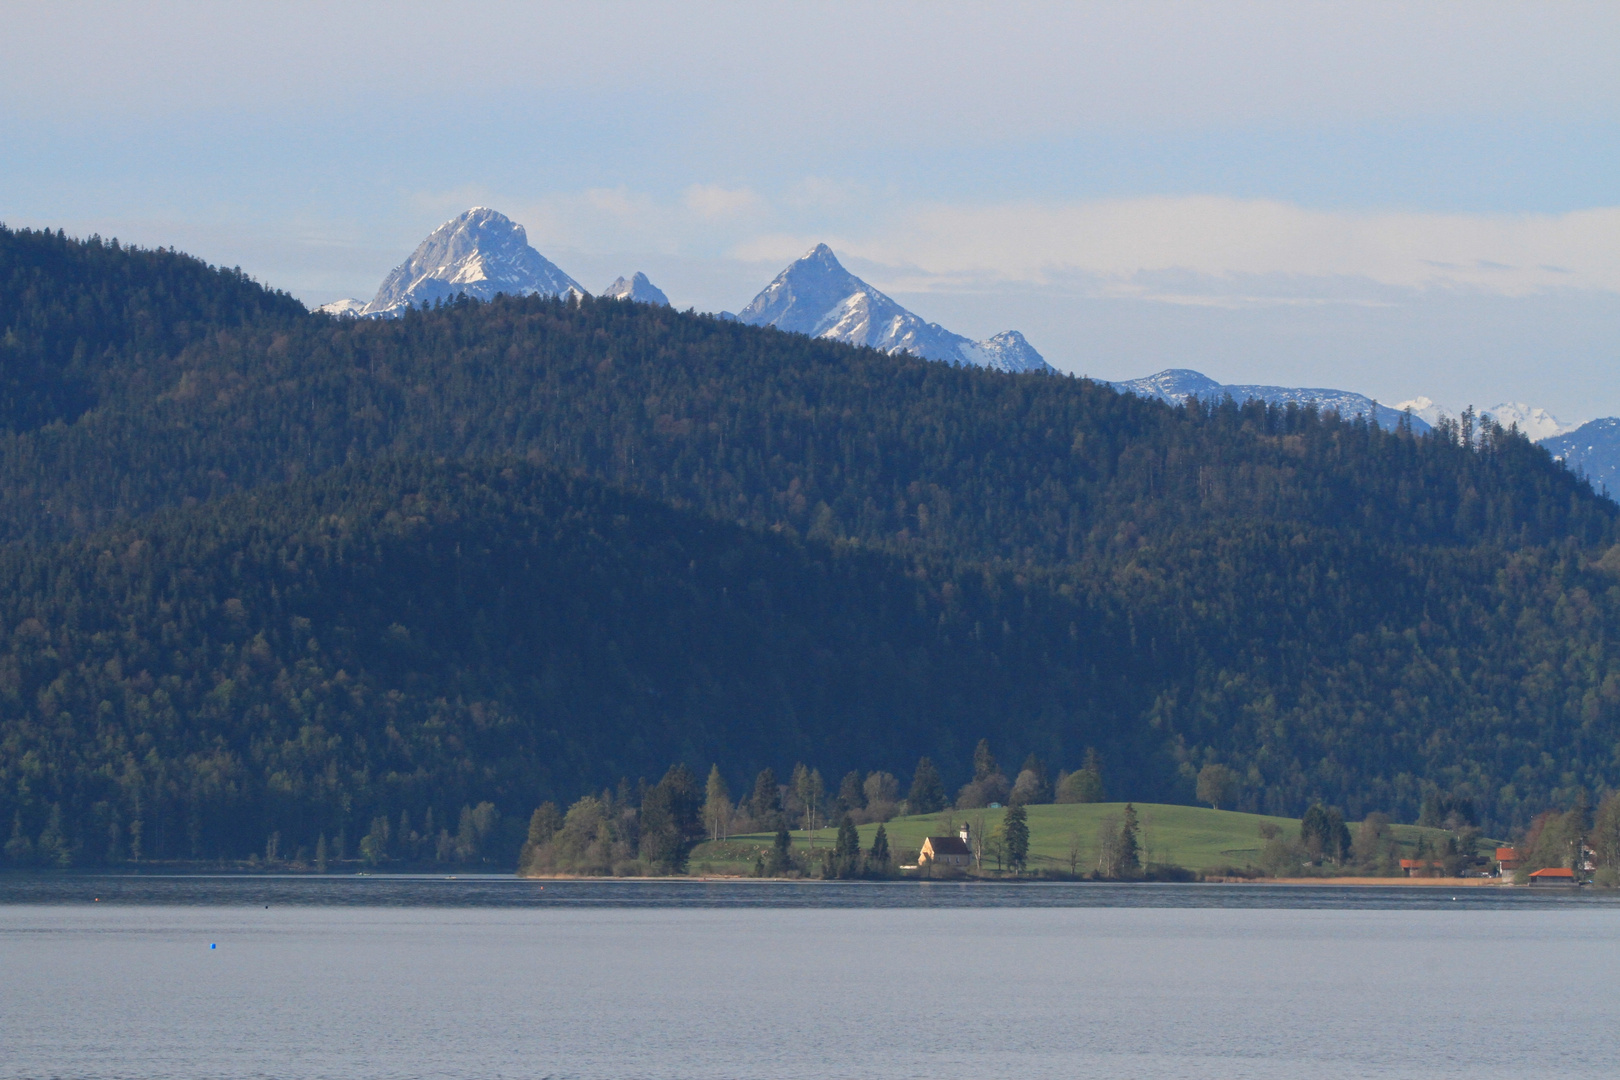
1176, 385
817, 297
480, 253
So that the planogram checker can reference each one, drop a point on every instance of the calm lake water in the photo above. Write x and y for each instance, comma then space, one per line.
491, 977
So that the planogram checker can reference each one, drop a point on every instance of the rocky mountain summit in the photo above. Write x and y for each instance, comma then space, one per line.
818, 297
480, 253
638, 288
1176, 385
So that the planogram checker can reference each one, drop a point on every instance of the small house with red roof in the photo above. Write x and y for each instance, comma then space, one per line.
1507, 861
1553, 875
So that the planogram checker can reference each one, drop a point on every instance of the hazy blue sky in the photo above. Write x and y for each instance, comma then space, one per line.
1395, 199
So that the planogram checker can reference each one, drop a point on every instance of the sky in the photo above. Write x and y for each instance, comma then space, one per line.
1396, 199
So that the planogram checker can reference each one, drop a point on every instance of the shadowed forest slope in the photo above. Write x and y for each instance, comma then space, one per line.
407, 636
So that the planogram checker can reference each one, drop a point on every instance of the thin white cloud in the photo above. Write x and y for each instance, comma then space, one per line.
1118, 241
1209, 251
713, 202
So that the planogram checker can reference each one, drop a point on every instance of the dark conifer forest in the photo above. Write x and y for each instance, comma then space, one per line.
266, 573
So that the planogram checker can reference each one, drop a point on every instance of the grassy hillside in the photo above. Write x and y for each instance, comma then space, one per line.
1193, 837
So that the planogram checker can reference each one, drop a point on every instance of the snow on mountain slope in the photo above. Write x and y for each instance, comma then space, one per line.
481, 253
1592, 450
1537, 424
818, 297
1176, 385
1423, 408
638, 288
347, 306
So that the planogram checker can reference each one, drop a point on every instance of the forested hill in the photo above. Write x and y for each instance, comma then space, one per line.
933, 555
771, 429
80, 321
407, 637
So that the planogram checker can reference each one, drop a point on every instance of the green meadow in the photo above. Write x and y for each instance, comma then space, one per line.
1061, 836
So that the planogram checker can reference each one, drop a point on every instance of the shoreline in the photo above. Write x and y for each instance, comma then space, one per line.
1437, 883
1349, 881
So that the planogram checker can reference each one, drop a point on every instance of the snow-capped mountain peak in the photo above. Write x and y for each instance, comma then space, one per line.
1006, 351
1536, 423
348, 307
480, 253
638, 288
1423, 408
818, 297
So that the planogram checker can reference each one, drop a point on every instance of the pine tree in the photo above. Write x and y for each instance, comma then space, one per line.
781, 854
847, 850
850, 795
662, 843
927, 791
765, 806
1015, 832
984, 762
878, 859
1130, 851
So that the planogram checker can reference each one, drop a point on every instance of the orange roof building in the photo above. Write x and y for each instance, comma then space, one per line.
1553, 875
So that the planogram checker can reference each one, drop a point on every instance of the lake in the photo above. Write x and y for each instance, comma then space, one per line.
361, 977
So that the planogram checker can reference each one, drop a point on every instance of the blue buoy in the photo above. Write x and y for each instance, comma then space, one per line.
213, 946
